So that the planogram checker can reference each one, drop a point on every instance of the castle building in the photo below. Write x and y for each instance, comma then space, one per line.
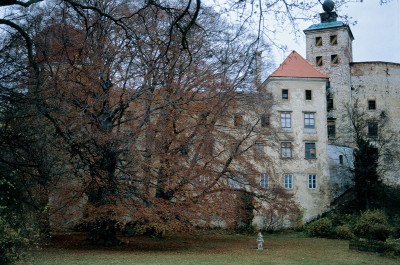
317, 103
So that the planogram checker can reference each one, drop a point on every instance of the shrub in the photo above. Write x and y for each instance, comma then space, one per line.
392, 246
344, 232
373, 225
13, 240
321, 227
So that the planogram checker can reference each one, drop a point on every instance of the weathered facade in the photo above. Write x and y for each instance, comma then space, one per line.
329, 92
300, 118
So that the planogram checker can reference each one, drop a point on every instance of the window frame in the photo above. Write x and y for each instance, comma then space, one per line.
236, 181
312, 181
264, 180
319, 61
331, 124
286, 150
265, 120
333, 40
318, 41
372, 127
371, 105
285, 94
288, 181
259, 149
330, 104
308, 154
334, 59
308, 120
308, 94
341, 159
238, 119
284, 118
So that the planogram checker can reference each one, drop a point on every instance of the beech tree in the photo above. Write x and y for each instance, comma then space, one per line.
125, 112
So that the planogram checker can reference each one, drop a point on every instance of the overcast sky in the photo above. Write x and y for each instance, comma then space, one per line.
376, 34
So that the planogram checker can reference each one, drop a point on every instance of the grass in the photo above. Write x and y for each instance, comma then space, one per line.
291, 248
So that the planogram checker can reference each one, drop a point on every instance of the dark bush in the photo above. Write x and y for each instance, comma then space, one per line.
373, 225
344, 232
392, 246
320, 228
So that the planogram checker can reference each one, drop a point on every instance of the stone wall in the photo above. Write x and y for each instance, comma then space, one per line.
380, 82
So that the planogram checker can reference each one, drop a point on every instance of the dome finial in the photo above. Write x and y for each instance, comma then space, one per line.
328, 6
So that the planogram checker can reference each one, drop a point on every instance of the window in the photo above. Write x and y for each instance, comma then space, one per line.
312, 181
310, 150
318, 61
285, 94
334, 59
308, 95
318, 41
238, 120
236, 181
372, 129
286, 149
264, 120
341, 159
286, 120
184, 150
333, 40
331, 130
309, 122
204, 180
259, 149
371, 104
330, 102
288, 184
264, 181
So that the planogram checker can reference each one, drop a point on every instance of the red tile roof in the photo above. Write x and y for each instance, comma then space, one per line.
296, 66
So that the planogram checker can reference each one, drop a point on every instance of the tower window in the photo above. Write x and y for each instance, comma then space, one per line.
318, 61
371, 104
372, 129
333, 40
308, 95
330, 102
334, 59
331, 130
318, 41
341, 159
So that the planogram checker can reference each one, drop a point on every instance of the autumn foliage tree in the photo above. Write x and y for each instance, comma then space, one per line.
131, 113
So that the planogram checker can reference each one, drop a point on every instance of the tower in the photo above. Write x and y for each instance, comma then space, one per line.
329, 50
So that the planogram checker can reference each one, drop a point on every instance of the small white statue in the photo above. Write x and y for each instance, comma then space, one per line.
260, 241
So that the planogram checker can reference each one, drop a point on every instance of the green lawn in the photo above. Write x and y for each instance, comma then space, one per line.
212, 249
